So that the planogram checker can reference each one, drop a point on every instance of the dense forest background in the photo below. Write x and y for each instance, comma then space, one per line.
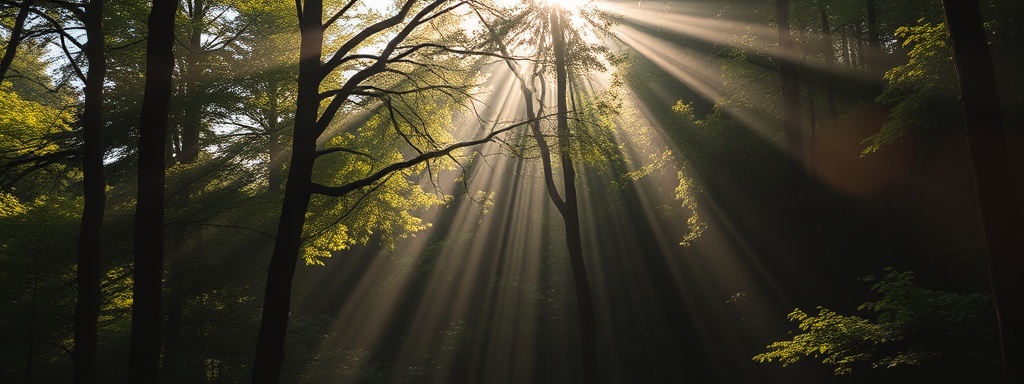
503, 192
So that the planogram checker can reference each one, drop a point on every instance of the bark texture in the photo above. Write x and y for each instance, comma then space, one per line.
87, 307
277, 294
998, 201
570, 209
144, 354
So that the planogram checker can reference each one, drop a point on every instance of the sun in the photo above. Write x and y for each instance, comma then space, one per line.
567, 4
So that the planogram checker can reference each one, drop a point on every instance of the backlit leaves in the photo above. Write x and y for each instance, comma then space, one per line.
914, 326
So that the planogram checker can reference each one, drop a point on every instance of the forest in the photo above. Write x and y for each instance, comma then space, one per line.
501, 191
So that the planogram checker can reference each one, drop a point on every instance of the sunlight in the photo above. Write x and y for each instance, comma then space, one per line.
568, 5
501, 192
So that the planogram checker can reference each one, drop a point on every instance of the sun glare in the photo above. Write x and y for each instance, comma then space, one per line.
567, 4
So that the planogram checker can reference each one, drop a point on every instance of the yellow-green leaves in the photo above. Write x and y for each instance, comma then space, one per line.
25, 125
905, 313
687, 192
10, 206
385, 211
839, 340
919, 92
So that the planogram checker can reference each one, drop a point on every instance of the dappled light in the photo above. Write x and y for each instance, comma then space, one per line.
496, 191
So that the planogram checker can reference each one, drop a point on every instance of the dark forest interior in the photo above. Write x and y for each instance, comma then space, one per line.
498, 191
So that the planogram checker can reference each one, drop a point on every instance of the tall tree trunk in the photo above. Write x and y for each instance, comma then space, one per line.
144, 354
87, 308
189, 126
999, 204
15, 38
277, 294
191, 119
570, 209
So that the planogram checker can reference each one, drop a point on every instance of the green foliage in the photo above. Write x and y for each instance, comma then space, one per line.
921, 91
914, 326
10, 206
687, 192
31, 135
36, 284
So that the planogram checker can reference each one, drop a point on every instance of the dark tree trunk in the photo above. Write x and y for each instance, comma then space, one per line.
191, 119
997, 199
87, 308
189, 125
277, 295
144, 355
570, 210
872, 10
15, 38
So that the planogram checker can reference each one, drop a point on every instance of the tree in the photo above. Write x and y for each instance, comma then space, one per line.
568, 206
87, 308
144, 358
203, 94
397, 51
267, 96
997, 197
552, 46
91, 153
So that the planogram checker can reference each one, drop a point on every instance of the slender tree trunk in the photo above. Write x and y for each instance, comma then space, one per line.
277, 296
87, 308
189, 126
144, 355
570, 210
999, 204
15, 37
874, 44
191, 120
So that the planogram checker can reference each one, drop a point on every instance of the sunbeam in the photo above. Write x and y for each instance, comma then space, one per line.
500, 191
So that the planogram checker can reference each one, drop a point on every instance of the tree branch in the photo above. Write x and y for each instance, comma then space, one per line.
369, 180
